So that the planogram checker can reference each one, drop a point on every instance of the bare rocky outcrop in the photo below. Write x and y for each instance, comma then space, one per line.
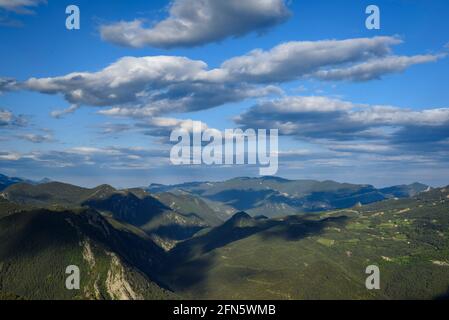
117, 285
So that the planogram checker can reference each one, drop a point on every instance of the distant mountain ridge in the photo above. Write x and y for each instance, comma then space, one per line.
273, 196
210, 202
6, 181
405, 191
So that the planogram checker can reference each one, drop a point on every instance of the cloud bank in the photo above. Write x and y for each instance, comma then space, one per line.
346, 125
155, 85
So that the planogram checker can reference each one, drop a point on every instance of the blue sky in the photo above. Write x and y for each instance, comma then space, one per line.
379, 110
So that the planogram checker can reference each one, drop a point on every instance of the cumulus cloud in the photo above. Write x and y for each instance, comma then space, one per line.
197, 22
123, 81
359, 59
334, 121
151, 85
156, 85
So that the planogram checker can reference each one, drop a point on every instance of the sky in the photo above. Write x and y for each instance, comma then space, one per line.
97, 105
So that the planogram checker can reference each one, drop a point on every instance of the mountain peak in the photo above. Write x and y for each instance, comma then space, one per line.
241, 215
241, 219
105, 187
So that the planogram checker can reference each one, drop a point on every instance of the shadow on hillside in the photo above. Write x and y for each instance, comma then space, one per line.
296, 228
292, 228
216, 238
176, 231
129, 208
241, 199
185, 275
29, 233
191, 260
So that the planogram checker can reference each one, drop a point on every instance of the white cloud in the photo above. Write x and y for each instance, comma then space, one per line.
5, 116
393, 116
325, 120
157, 85
375, 69
10, 156
197, 22
58, 114
8, 119
36, 138
94, 151
359, 59
167, 125
20, 6
295, 105
149, 86
292, 60
126, 80
114, 128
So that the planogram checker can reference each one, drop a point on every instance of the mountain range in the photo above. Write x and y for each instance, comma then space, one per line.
245, 238
273, 196
158, 216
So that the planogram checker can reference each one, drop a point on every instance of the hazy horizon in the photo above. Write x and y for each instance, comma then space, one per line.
117, 186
